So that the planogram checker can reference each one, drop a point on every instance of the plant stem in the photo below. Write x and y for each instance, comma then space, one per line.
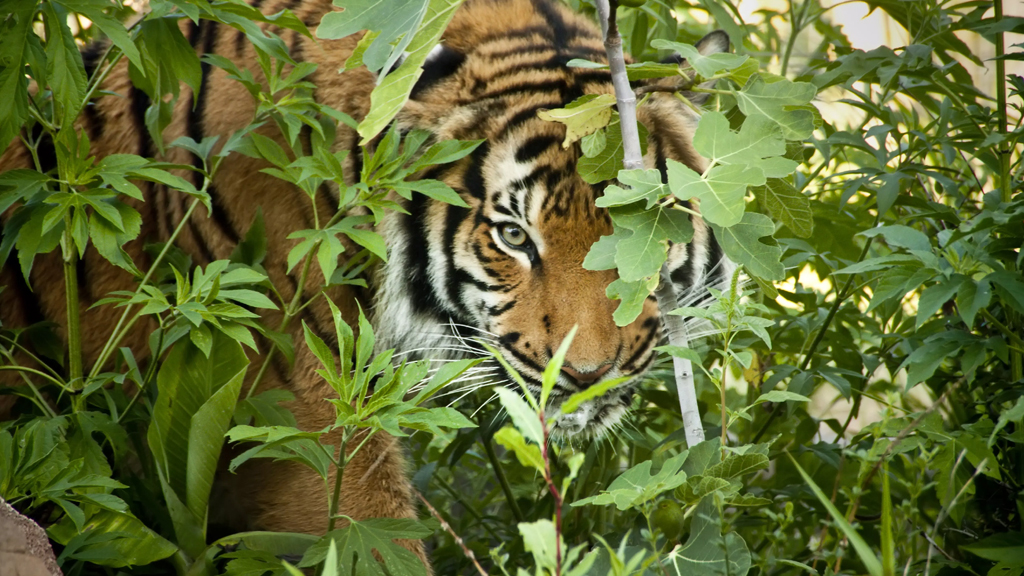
796, 25
71, 294
447, 528
1005, 178
119, 333
840, 297
555, 495
289, 312
624, 96
340, 464
39, 397
502, 480
1017, 341
675, 326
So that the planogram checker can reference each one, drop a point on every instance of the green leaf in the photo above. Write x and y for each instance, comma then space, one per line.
780, 102
394, 22
540, 539
108, 24
431, 188
935, 296
736, 465
972, 297
523, 416
528, 454
607, 165
393, 91
632, 296
113, 539
360, 543
281, 443
64, 66
867, 557
15, 30
1014, 414
602, 253
780, 396
191, 414
572, 403
637, 486
641, 254
582, 117
593, 144
742, 244
680, 352
641, 185
554, 368
704, 553
923, 361
899, 236
758, 138
1003, 547
205, 440
705, 65
786, 205
720, 191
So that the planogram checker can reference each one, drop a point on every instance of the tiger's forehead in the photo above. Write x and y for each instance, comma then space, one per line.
530, 178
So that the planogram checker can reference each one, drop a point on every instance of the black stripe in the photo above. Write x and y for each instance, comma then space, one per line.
421, 290
474, 178
454, 217
29, 301
559, 86
534, 147
574, 52
499, 310
645, 346
561, 33
529, 362
503, 210
527, 182
527, 114
439, 67
296, 46
463, 277
197, 130
92, 114
84, 288
195, 32
139, 104
357, 161
524, 32
240, 42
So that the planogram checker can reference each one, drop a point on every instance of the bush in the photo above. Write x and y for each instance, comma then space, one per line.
910, 217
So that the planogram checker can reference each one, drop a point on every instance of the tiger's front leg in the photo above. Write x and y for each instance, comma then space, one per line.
289, 497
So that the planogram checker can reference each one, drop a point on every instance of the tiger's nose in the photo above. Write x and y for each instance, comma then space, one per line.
586, 378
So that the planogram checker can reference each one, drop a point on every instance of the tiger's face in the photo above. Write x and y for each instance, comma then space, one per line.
509, 268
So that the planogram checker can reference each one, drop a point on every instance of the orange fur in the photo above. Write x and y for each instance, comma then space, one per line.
479, 100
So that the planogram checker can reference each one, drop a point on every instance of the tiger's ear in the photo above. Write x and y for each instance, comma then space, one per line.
714, 43
441, 63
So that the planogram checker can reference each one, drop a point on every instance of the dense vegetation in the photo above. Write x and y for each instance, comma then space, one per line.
910, 214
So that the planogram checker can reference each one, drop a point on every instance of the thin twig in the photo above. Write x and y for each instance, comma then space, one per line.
632, 159
447, 528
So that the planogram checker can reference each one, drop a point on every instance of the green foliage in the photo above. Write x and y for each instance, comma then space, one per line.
903, 200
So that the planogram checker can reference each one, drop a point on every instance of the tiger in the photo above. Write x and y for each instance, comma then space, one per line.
509, 266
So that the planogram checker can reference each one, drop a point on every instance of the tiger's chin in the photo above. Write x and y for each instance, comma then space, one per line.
592, 419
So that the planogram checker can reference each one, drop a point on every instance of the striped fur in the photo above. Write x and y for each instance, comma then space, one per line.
450, 276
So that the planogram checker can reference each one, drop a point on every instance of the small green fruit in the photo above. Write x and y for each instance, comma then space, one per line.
668, 519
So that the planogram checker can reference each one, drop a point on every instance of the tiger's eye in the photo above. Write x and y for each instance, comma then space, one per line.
513, 235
